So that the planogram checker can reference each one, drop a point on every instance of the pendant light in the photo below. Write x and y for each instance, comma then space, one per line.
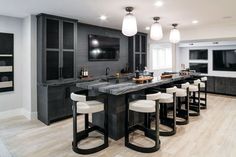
174, 34
129, 25
156, 30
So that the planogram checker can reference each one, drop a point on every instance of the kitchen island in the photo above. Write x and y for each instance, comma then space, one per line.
116, 93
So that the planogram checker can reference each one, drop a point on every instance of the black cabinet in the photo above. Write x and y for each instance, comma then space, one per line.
138, 52
57, 40
57, 37
221, 85
54, 102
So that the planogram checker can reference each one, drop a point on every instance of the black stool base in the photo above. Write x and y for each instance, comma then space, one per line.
184, 115
148, 133
84, 134
169, 123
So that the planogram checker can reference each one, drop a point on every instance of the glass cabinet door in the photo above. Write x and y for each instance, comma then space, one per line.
143, 43
52, 65
137, 61
68, 35
52, 31
68, 64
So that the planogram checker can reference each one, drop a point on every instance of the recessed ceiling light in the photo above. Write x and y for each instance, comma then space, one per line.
103, 17
194, 21
158, 3
147, 28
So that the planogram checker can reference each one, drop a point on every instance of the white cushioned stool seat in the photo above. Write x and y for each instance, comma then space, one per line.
89, 107
179, 92
196, 82
144, 106
192, 88
166, 98
204, 79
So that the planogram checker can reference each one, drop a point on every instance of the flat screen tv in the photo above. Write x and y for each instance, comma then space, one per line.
224, 60
201, 54
199, 67
102, 48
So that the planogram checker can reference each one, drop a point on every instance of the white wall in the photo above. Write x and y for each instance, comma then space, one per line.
13, 100
29, 67
183, 53
24, 98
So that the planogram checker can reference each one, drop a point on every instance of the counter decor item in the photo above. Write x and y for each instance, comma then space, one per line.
143, 79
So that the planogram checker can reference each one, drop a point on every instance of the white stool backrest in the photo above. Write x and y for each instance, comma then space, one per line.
185, 85
196, 82
78, 97
154, 96
171, 90
204, 79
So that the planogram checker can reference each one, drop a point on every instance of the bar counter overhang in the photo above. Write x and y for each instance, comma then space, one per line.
116, 97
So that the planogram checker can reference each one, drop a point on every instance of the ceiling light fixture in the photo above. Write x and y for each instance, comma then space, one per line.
103, 17
129, 25
158, 3
174, 34
147, 28
156, 30
194, 21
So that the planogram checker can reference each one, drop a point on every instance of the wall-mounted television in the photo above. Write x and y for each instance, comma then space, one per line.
224, 60
200, 54
103, 48
199, 67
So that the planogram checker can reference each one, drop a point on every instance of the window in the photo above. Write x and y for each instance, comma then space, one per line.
161, 58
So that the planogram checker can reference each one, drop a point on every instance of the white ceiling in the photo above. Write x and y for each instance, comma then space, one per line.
88, 11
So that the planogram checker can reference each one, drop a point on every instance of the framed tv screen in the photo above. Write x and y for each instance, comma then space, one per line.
199, 67
224, 60
200, 54
103, 48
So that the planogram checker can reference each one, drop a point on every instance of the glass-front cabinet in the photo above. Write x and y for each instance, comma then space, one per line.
57, 48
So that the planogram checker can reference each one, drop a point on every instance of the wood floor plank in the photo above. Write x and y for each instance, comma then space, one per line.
213, 134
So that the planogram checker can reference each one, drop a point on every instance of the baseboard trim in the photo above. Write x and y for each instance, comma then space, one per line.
18, 112
11, 113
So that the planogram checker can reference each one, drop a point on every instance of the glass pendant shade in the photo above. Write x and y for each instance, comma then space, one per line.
174, 36
156, 31
129, 25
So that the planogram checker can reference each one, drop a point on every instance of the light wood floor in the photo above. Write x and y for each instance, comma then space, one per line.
213, 134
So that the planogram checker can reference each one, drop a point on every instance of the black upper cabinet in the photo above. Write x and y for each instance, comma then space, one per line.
57, 37
68, 64
138, 52
52, 33
68, 35
52, 67
144, 43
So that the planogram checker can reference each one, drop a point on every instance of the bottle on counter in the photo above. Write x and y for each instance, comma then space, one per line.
137, 73
82, 72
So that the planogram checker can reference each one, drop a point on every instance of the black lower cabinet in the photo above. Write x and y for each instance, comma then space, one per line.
54, 102
221, 85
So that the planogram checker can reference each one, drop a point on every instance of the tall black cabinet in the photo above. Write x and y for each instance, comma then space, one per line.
56, 73
138, 52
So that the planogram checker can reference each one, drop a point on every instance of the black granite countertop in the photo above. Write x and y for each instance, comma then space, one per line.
127, 86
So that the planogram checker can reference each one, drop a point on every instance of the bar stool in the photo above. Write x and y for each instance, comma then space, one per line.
148, 105
194, 106
203, 86
182, 113
165, 100
82, 106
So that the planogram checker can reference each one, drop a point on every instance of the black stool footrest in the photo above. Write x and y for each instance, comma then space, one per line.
148, 133
84, 134
169, 123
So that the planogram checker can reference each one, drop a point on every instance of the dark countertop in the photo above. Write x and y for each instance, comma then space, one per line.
125, 87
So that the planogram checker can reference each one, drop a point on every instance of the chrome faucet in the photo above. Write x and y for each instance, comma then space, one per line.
107, 71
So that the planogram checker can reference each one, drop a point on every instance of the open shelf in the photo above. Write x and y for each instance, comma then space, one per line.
6, 62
